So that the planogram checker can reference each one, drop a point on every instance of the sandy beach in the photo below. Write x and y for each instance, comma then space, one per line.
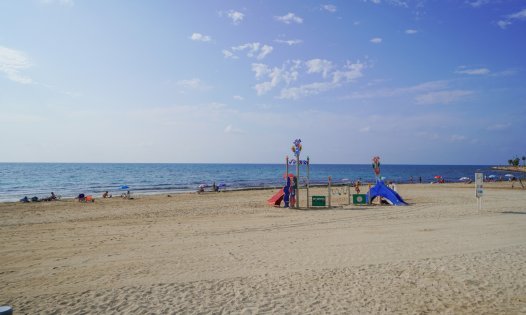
231, 253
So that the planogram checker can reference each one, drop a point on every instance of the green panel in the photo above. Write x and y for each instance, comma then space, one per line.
359, 199
318, 201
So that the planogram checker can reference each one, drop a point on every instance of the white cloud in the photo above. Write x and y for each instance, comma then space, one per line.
329, 7
376, 40
411, 31
260, 69
319, 66
254, 50
350, 72
289, 42
289, 18
67, 3
265, 50
200, 37
236, 16
503, 24
192, 84
442, 97
12, 63
478, 71
238, 98
290, 73
229, 55
276, 76
520, 15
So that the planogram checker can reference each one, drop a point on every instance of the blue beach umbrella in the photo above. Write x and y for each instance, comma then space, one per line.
124, 187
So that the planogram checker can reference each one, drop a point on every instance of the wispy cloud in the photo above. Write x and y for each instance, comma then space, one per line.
198, 37
376, 40
192, 84
254, 50
238, 97
229, 55
13, 63
442, 97
236, 16
398, 3
401, 91
319, 66
427, 93
287, 74
508, 20
289, 42
329, 8
331, 77
498, 127
289, 18
411, 31
477, 3
477, 71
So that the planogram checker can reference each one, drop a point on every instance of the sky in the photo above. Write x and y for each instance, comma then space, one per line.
412, 81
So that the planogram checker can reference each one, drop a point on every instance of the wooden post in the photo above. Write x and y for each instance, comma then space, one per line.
298, 181
308, 180
349, 192
286, 167
329, 191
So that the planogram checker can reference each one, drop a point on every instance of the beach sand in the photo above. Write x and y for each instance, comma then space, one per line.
231, 253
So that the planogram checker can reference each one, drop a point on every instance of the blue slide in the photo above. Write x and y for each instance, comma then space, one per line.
391, 196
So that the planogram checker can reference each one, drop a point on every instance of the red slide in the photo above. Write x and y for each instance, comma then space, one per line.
277, 198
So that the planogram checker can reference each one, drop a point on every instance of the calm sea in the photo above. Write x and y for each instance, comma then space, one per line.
69, 179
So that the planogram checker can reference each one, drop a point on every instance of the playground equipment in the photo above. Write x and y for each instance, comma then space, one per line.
277, 198
290, 193
381, 190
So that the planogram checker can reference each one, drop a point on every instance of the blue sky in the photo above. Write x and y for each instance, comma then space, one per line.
415, 82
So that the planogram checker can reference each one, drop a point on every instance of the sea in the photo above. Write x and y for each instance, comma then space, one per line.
70, 179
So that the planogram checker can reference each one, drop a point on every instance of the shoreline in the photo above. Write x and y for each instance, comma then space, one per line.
519, 169
505, 184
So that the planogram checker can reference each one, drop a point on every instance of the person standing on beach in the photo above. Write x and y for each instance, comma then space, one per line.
420, 179
286, 193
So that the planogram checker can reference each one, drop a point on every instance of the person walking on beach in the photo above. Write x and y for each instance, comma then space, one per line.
357, 187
